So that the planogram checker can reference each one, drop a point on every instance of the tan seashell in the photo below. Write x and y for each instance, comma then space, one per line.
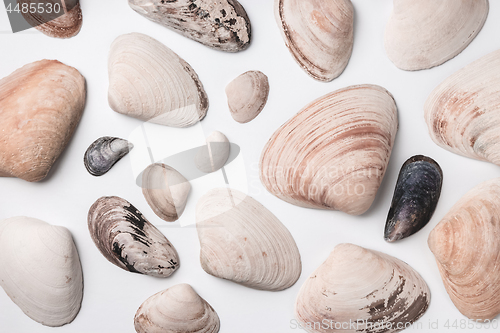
318, 33
41, 270
150, 82
179, 309
247, 95
333, 154
462, 112
371, 289
426, 33
466, 245
244, 242
165, 190
40, 106
214, 154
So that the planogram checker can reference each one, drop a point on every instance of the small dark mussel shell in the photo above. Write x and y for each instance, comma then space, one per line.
415, 197
104, 153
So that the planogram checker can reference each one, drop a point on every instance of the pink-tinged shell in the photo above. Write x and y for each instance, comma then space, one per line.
65, 26
247, 95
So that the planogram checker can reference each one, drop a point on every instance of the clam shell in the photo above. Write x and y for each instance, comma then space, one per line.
165, 190
41, 270
103, 153
426, 33
333, 154
318, 33
244, 242
124, 237
219, 24
466, 245
214, 154
150, 82
40, 106
179, 309
415, 197
462, 112
371, 289
247, 95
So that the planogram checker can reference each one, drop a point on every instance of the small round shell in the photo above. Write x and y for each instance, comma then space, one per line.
214, 154
247, 95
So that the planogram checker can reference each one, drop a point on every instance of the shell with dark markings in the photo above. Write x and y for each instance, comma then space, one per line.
103, 153
415, 197
124, 236
214, 154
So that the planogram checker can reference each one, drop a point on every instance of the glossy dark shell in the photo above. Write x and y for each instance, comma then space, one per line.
415, 197
103, 153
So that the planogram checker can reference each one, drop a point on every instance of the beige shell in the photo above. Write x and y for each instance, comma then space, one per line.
244, 242
462, 113
466, 245
214, 154
356, 285
40, 106
426, 33
318, 33
150, 82
247, 95
334, 153
179, 309
41, 270
165, 190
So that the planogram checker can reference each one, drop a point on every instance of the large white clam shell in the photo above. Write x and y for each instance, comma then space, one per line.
150, 82
466, 244
244, 242
360, 290
333, 154
41, 270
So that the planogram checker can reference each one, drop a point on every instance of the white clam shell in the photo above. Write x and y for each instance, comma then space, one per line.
150, 82
318, 33
426, 33
214, 154
244, 242
368, 288
41, 270
334, 153
179, 309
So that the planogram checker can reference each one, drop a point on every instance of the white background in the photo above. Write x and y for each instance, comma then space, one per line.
112, 295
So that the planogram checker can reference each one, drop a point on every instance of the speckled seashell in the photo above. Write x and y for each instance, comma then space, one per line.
356, 285
462, 112
40, 270
214, 154
426, 33
415, 197
247, 95
466, 244
219, 24
179, 309
150, 82
334, 153
318, 33
165, 190
243, 242
124, 237
103, 153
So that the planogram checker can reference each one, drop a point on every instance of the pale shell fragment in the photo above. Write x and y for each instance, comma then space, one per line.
247, 95
214, 154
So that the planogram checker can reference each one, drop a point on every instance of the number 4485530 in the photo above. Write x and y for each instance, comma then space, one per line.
34, 8
470, 324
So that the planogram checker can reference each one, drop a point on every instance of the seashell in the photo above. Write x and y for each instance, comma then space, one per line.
415, 197
150, 82
426, 33
247, 95
244, 242
40, 106
220, 24
355, 285
41, 270
466, 246
103, 153
124, 237
214, 154
319, 34
333, 154
179, 309
462, 112
54, 24
165, 190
